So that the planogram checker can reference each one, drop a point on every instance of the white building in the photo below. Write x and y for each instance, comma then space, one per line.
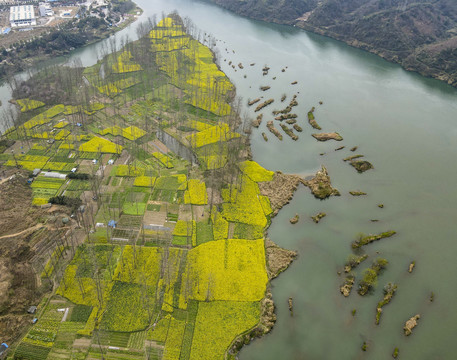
23, 15
45, 10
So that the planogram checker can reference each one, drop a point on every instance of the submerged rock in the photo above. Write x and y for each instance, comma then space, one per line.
367, 239
294, 220
256, 123
389, 292
328, 136
346, 288
262, 105
265, 88
252, 102
318, 217
411, 324
353, 157
265, 136
321, 186
289, 132
357, 193
273, 130
312, 120
411, 266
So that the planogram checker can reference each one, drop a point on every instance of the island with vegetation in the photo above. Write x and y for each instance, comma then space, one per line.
149, 215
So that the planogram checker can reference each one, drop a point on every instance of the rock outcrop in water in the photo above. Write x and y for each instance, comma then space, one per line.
411, 324
320, 185
361, 165
327, 136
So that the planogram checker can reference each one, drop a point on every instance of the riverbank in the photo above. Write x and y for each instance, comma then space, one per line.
420, 40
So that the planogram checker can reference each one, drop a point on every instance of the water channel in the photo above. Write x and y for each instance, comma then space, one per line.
406, 126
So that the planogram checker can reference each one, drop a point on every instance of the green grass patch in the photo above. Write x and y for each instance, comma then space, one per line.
204, 232
80, 313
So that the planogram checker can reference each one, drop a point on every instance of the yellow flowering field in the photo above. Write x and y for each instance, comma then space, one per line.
212, 84
98, 144
198, 125
141, 267
220, 226
129, 307
217, 325
212, 135
39, 201
163, 159
231, 269
43, 135
255, 172
242, 204
196, 193
71, 109
93, 108
159, 333
28, 165
185, 229
172, 350
133, 133
130, 132
170, 43
81, 290
125, 63
144, 181
171, 275
213, 162
173, 182
266, 205
116, 87
65, 146
44, 117
62, 134
29, 162
129, 170
109, 89
61, 124
29, 104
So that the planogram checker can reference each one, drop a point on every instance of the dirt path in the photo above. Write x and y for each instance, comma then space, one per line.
33, 228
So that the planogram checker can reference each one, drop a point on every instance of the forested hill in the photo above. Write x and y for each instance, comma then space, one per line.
421, 35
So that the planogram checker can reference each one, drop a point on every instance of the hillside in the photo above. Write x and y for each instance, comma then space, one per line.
421, 35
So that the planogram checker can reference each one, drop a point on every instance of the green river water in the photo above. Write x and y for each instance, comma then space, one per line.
406, 126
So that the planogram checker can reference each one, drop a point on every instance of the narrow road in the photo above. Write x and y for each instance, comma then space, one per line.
33, 228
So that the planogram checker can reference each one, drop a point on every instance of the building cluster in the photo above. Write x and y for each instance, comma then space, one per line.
24, 15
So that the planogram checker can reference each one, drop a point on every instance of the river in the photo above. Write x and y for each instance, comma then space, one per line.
406, 126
